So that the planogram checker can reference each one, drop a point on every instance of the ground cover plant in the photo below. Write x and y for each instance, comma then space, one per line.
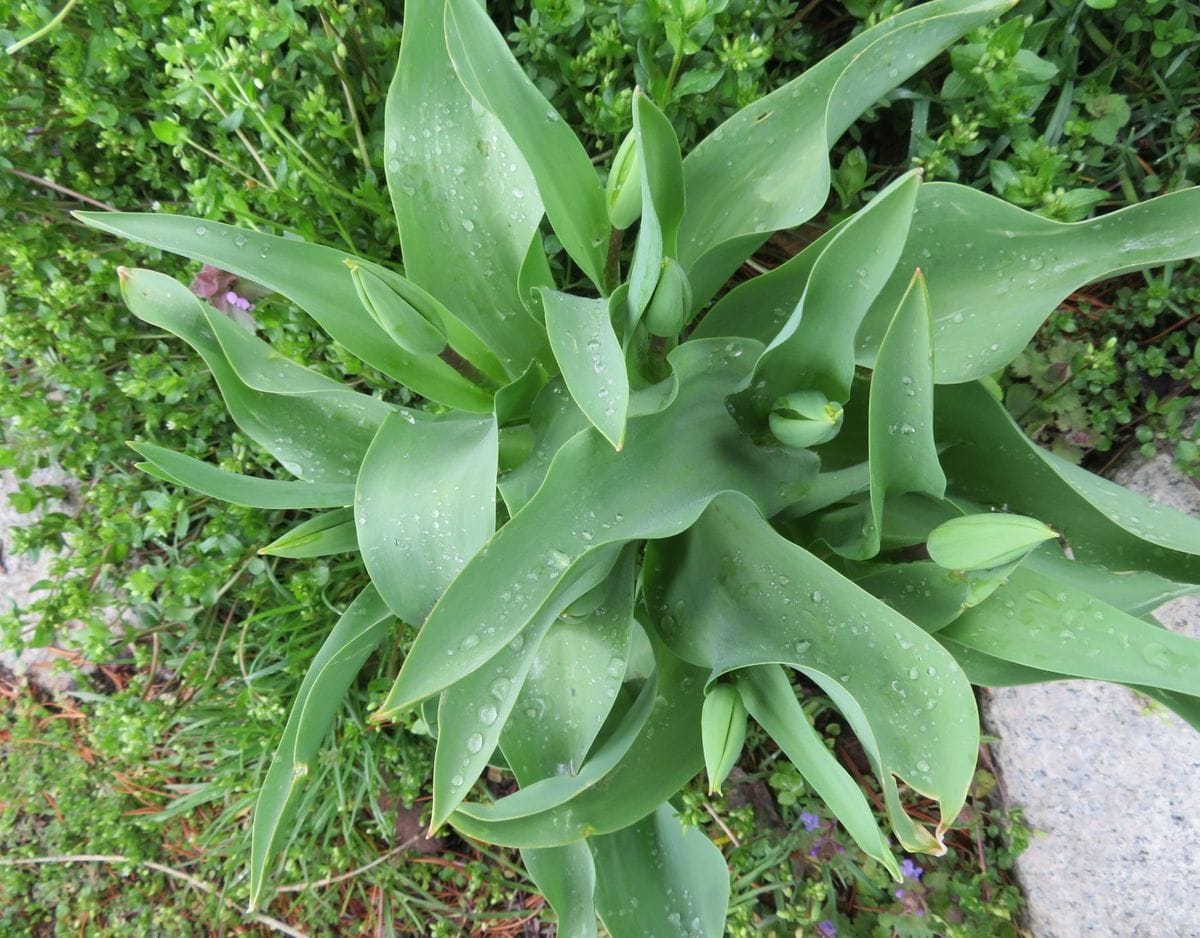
588, 633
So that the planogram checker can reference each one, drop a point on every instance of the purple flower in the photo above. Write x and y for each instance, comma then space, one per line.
810, 821
910, 870
899, 893
827, 928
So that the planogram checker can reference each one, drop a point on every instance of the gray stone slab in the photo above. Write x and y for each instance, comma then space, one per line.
19, 575
1111, 784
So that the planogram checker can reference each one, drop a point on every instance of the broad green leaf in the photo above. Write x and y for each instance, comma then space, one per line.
771, 700
814, 349
474, 711
465, 200
1040, 622
331, 532
319, 434
553, 419
659, 878
758, 308
661, 177
425, 503
316, 279
566, 876
987, 671
633, 498
1102, 522
722, 732
575, 677
1131, 591
240, 489
592, 363
732, 593
982, 541
354, 637
902, 452
930, 595
767, 167
972, 245
651, 755
566, 180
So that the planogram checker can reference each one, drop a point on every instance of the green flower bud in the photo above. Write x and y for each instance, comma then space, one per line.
624, 191
672, 301
396, 316
722, 732
805, 418
979, 542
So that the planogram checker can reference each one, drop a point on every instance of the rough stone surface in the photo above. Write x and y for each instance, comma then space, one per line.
18, 575
1111, 784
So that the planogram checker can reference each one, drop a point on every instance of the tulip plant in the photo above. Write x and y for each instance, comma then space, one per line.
635, 501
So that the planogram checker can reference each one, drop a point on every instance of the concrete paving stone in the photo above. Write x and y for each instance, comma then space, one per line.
1112, 785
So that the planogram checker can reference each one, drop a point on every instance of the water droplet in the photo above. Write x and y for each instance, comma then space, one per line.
922, 765
393, 166
239, 240
815, 596
1157, 654
487, 714
552, 116
517, 643
457, 781
467, 225
468, 643
474, 743
201, 230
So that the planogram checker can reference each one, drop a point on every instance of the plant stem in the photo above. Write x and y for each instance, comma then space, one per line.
33, 37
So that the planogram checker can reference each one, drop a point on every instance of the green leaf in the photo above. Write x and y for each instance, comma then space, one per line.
1102, 522
354, 637
771, 700
732, 594
814, 349
722, 731
972, 245
331, 532
758, 308
778, 147
464, 197
929, 595
1040, 622
632, 498
592, 363
566, 876
978, 542
425, 504
659, 878
168, 131
1133, 591
576, 674
240, 489
649, 757
566, 179
317, 428
661, 175
315, 278
902, 452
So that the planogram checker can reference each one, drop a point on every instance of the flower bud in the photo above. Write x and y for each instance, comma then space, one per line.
805, 418
979, 542
395, 315
722, 732
623, 194
672, 301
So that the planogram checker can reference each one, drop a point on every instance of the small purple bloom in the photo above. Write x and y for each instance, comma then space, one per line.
810, 821
827, 928
910, 870
899, 893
